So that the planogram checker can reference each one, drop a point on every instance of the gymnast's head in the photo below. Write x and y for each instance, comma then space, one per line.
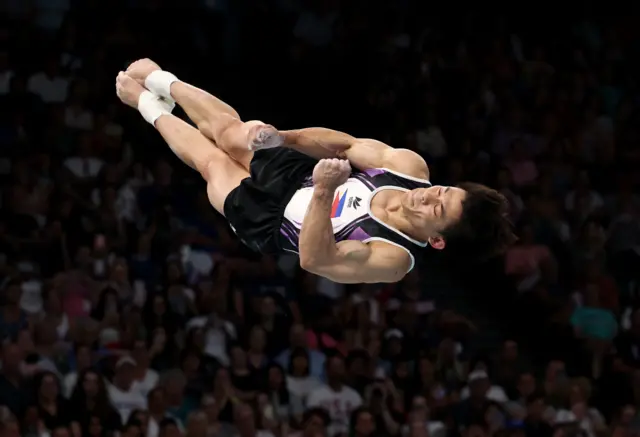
469, 218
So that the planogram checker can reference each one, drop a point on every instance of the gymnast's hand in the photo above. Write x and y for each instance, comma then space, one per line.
142, 68
329, 174
128, 90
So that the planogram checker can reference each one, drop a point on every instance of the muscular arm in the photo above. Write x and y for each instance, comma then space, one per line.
348, 261
362, 153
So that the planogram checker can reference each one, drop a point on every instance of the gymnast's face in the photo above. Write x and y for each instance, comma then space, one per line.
430, 210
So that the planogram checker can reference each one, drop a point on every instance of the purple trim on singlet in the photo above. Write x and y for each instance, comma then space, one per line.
286, 235
373, 172
343, 234
290, 228
308, 182
359, 234
365, 180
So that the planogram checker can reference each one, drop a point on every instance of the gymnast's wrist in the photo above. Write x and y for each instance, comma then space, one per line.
151, 108
159, 82
291, 137
322, 192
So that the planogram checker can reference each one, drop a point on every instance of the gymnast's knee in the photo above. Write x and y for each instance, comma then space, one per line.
218, 127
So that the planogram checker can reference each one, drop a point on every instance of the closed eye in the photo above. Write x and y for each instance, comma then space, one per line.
442, 211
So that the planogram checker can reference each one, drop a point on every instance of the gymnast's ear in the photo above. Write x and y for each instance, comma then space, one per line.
437, 242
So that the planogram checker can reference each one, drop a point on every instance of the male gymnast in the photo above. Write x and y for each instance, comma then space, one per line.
362, 219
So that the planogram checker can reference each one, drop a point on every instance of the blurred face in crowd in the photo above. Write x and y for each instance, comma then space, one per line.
83, 357
11, 428
124, 376
314, 426
54, 304
418, 429
119, 271
447, 350
210, 408
300, 364
197, 424
25, 341
12, 294
419, 409
478, 388
510, 350
61, 432
159, 305
91, 384
335, 370
83, 256
257, 339
221, 380
244, 419
191, 364
627, 415
12, 356
364, 425
276, 378
140, 354
142, 417
431, 210
576, 394
475, 431
426, 369
526, 384
174, 389
49, 387
170, 430
238, 358
268, 307
535, 409
555, 370
173, 273
297, 336
394, 346
156, 399
95, 426
132, 431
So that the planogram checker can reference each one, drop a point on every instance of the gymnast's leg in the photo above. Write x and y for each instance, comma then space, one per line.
222, 173
214, 118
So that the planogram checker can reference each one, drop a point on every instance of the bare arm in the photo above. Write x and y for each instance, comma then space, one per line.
362, 153
347, 261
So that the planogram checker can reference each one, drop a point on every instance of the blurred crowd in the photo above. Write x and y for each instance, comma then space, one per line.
129, 309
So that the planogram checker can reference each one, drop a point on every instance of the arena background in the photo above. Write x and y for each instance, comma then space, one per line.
542, 106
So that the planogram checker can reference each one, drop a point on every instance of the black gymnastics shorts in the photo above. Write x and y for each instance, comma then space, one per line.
255, 208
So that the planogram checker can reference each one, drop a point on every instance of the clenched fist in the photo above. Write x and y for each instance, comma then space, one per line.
331, 173
142, 68
128, 90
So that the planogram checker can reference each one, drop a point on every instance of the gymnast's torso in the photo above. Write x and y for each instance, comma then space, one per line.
351, 215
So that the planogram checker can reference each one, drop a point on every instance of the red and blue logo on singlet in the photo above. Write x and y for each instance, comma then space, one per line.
338, 204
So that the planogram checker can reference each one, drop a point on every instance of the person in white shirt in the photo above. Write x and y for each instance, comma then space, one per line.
144, 377
481, 379
337, 398
245, 422
300, 382
123, 393
83, 165
48, 84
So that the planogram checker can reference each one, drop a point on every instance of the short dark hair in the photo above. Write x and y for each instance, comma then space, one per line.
484, 229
